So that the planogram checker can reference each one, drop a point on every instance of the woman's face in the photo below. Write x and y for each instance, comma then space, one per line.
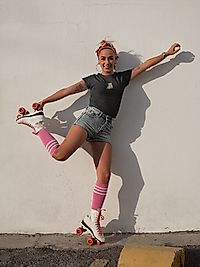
107, 61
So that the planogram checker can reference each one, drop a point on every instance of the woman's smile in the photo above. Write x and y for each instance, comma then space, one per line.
107, 61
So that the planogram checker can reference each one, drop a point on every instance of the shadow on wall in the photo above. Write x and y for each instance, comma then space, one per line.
127, 128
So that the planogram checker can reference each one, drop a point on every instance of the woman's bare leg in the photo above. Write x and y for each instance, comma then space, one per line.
74, 139
102, 155
102, 158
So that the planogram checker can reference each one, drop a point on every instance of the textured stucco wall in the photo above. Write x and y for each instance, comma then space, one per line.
46, 45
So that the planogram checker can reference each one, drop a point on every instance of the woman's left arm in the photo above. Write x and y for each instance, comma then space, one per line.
155, 60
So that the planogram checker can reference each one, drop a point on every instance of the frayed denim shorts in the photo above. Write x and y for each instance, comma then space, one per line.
97, 124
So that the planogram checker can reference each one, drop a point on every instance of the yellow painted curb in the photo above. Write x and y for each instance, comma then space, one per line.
151, 256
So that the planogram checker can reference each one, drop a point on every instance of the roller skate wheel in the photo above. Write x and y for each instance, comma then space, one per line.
91, 241
22, 111
80, 231
19, 116
35, 106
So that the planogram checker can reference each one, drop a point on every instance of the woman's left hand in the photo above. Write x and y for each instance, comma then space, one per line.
173, 49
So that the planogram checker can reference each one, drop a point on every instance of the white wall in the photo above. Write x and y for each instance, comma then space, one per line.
46, 45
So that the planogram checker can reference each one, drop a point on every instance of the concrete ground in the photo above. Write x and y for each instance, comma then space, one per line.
59, 250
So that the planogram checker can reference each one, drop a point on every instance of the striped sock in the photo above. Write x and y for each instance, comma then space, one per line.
50, 143
99, 194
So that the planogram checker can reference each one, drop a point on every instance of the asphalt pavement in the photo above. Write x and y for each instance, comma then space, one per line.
67, 250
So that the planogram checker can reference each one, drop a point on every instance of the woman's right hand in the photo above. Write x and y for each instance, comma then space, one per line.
40, 105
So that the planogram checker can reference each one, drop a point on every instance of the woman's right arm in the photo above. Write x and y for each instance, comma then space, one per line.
72, 89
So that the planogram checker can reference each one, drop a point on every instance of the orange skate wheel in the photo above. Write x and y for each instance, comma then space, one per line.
23, 111
80, 231
91, 241
19, 116
35, 106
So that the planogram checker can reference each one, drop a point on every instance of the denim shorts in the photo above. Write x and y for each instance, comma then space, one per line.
97, 124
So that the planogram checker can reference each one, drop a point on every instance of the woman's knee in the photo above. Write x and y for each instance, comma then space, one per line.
57, 155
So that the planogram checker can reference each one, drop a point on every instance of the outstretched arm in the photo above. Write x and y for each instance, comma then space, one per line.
155, 60
73, 89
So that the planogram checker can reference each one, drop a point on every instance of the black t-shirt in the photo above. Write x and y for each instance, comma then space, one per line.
106, 91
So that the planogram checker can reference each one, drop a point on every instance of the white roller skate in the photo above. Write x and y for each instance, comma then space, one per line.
92, 224
33, 120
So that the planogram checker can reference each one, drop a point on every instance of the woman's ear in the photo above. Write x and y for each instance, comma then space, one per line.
97, 67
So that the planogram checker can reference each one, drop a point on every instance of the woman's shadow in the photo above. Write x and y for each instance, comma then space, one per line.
127, 128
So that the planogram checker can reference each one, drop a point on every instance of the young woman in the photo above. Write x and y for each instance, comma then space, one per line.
95, 123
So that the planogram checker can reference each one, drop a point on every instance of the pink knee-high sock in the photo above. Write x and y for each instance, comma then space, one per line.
50, 143
98, 196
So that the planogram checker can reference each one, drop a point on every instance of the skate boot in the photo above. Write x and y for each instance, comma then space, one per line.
33, 120
92, 224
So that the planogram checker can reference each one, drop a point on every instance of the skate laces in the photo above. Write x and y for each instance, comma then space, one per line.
101, 217
97, 222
